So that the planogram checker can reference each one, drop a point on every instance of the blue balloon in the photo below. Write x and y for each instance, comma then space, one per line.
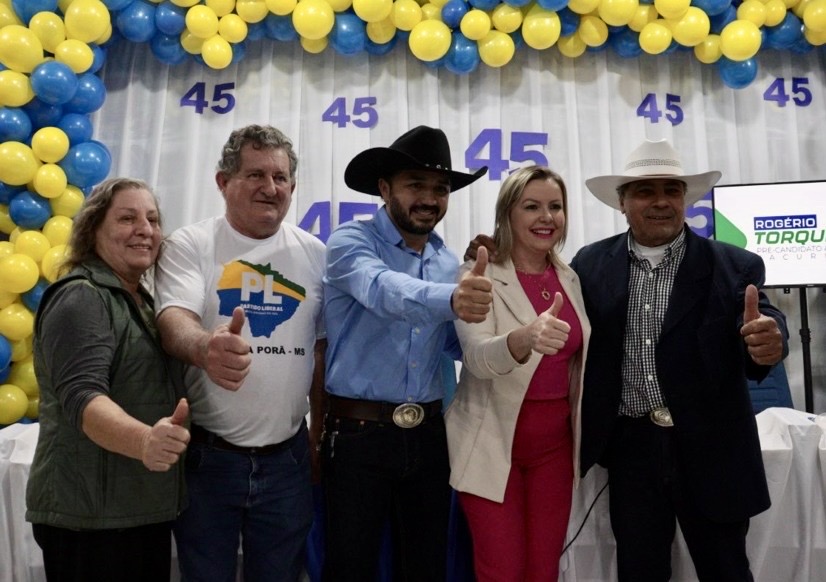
4, 374
77, 127
377, 49
552, 5
31, 298
484, 4
785, 34
54, 82
25, 9
86, 164
114, 39
136, 22
437, 64
15, 125
737, 74
167, 49
8, 192
719, 21
29, 210
239, 50
568, 21
115, 5
801, 46
5, 352
712, 7
626, 43
517, 3
98, 58
463, 55
348, 34
89, 97
280, 28
42, 114
402, 35
453, 11
257, 30
170, 19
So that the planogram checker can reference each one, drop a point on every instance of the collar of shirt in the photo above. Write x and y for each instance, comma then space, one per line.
655, 255
390, 233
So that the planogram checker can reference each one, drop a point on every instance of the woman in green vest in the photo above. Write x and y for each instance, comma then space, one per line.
105, 484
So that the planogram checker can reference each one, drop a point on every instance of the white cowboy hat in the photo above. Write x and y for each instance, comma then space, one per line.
650, 161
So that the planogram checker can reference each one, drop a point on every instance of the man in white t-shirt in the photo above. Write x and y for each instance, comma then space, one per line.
239, 299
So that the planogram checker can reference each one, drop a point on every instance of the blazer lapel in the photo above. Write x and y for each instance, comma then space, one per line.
691, 283
507, 286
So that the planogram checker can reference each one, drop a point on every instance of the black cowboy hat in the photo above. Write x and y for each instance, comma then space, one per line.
421, 148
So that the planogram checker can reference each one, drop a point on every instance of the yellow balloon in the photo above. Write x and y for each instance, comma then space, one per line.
16, 322
217, 52
50, 181
6, 223
644, 14
775, 12
87, 20
20, 272
7, 297
20, 49
593, 31
202, 21
583, 6
506, 18
814, 38
185, 3
671, 9
571, 46
33, 244
475, 24
68, 203
740, 40
439, 3
252, 11
15, 89
340, 5
429, 40
655, 38
541, 28
281, 7
753, 11
406, 14
8, 16
22, 376
799, 8
191, 43
221, 7
313, 19
6, 248
49, 28
76, 54
431, 12
50, 144
372, 10
33, 409
52, 262
13, 404
57, 230
708, 51
496, 49
17, 163
21, 349
232, 28
314, 45
381, 32
693, 27
618, 12
814, 16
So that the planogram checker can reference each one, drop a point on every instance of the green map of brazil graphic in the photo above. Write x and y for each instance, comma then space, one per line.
266, 296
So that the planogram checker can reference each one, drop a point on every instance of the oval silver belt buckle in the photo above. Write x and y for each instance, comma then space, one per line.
408, 415
661, 417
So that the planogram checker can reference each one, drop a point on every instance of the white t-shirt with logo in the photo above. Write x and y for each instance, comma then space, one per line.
209, 268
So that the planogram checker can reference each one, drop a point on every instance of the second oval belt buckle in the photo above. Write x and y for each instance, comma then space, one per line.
408, 415
661, 417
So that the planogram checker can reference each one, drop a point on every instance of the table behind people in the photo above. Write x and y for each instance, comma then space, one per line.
786, 543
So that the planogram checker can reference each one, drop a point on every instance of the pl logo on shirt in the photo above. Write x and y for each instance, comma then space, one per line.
266, 296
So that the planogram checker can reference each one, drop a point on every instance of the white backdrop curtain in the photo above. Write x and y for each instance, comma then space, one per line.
587, 107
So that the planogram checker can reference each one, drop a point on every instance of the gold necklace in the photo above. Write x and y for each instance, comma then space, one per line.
539, 280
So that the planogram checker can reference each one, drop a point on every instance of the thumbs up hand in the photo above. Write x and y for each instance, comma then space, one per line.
165, 442
764, 341
472, 297
228, 357
549, 334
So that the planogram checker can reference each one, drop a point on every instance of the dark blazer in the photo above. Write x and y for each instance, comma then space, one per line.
702, 366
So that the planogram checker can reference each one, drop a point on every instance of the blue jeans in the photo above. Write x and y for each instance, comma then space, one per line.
265, 500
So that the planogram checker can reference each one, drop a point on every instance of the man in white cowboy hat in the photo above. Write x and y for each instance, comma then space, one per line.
678, 325
390, 296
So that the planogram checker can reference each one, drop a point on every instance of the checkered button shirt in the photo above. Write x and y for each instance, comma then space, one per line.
649, 290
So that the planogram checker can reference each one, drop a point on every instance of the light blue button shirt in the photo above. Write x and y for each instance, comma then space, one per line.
387, 313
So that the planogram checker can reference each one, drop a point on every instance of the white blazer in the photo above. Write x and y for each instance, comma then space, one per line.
481, 420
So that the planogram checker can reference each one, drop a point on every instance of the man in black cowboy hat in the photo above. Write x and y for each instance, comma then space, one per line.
678, 325
390, 297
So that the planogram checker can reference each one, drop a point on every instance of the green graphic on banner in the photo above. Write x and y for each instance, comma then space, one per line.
725, 231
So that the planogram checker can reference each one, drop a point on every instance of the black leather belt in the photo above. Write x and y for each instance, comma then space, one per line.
404, 415
199, 434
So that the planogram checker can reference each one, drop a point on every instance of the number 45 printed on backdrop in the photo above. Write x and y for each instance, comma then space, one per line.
521, 143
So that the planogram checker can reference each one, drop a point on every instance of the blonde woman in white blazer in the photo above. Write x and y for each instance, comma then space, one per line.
513, 427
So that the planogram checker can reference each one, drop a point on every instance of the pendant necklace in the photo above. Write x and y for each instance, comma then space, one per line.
539, 280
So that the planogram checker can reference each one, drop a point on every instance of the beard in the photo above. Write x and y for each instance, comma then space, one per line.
406, 223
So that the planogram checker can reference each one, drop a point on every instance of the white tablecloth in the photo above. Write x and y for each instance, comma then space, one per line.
787, 543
